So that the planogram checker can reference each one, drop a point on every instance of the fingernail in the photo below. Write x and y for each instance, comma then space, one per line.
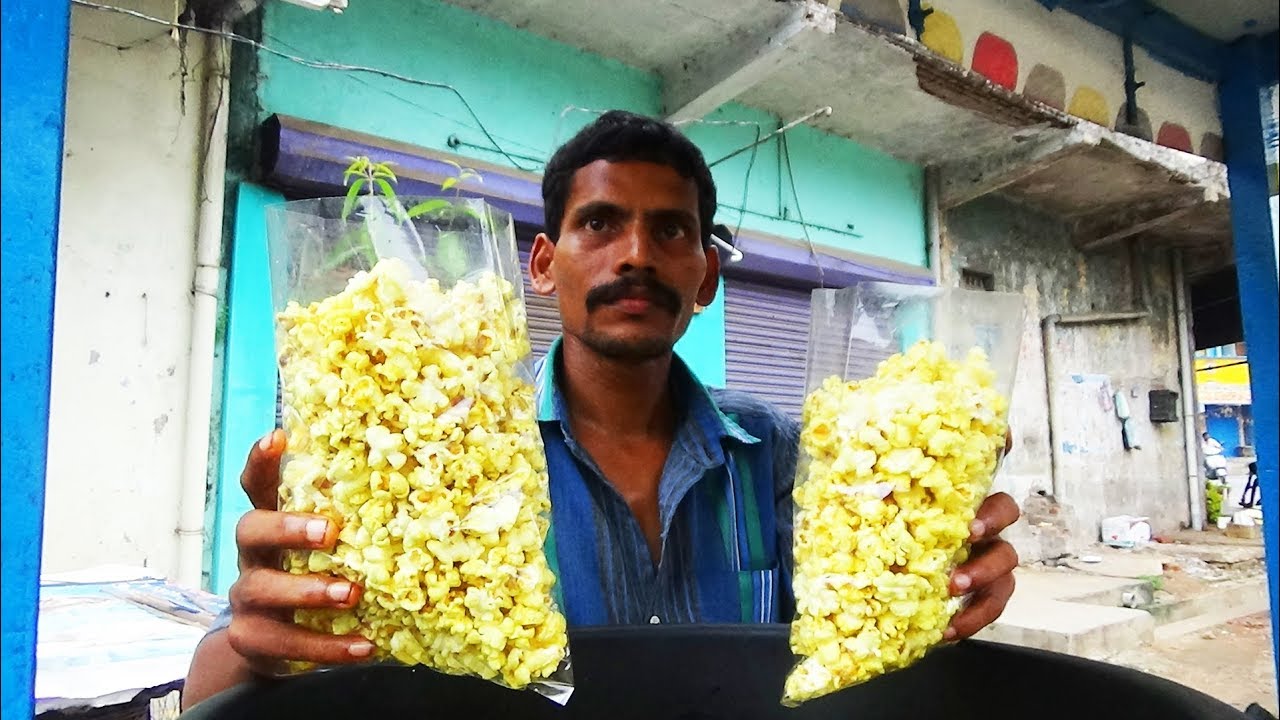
978, 528
962, 582
360, 649
316, 530
949, 634
267, 442
339, 592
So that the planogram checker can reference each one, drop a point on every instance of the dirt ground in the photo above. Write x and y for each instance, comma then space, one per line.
1232, 662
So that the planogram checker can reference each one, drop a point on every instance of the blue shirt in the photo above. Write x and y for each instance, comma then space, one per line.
724, 504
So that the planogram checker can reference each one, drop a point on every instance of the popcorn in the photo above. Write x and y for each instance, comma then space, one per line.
409, 426
897, 465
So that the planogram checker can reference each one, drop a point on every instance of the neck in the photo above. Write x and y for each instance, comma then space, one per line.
619, 397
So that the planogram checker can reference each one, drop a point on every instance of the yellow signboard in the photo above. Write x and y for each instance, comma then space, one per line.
1223, 381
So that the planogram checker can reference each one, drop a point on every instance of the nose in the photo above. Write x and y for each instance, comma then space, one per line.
636, 250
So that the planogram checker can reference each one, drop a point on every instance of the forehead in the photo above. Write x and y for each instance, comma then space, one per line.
633, 184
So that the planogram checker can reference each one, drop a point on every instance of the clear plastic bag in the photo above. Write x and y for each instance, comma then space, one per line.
904, 425
409, 406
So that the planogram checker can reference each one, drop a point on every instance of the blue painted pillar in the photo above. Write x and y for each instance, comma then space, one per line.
1239, 95
33, 80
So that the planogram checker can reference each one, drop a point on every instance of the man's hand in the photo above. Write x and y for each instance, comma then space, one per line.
987, 578
264, 597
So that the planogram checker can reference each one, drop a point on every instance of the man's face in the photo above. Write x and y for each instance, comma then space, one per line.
629, 265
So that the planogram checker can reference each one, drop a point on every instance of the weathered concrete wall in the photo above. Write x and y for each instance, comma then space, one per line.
122, 312
1031, 254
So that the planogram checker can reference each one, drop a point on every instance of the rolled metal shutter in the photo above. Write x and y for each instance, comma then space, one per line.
766, 342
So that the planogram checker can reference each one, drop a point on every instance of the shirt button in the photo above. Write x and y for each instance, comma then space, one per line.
655, 620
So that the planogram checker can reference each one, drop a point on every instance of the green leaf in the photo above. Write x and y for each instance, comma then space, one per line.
428, 206
386, 188
451, 254
448, 183
352, 195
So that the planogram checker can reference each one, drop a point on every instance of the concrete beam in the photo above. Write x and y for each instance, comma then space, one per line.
1031, 152
724, 71
1111, 226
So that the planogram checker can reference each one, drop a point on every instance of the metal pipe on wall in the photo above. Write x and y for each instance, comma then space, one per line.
1048, 327
204, 313
933, 221
1186, 377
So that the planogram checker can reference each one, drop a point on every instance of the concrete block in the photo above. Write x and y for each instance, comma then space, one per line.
1091, 631
1128, 565
1244, 532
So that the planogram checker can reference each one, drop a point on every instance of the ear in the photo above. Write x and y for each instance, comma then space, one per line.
710, 281
540, 258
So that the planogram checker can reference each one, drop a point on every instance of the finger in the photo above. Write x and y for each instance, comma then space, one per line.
261, 476
982, 610
262, 534
1008, 441
994, 515
261, 639
268, 589
988, 563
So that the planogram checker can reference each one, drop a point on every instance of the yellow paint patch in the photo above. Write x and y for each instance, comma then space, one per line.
1089, 104
942, 35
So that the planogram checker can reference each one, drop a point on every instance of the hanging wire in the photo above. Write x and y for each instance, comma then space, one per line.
316, 64
791, 178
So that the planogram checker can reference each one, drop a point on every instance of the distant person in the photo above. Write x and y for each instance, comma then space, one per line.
1251, 495
1210, 446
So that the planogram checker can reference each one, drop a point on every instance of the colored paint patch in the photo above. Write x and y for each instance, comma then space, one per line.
942, 35
1141, 127
1173, 135
995, 58
1211, 147
1089, 104
1046, 85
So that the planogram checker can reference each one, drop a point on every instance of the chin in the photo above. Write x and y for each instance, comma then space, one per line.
628, 348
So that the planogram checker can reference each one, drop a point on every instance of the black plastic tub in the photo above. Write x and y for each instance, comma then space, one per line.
732, 672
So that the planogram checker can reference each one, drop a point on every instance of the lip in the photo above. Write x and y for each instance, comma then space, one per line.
634, 304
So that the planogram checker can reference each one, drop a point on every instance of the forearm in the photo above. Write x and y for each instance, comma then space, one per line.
214, 667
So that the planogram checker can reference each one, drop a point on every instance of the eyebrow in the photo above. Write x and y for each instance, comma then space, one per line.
606, 208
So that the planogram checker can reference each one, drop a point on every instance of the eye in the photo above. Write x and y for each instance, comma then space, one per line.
597, 224
671, 231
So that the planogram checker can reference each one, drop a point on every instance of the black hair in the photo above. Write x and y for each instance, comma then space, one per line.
621, 136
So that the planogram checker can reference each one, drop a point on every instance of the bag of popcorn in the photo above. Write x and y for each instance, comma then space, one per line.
904, 424
408, 401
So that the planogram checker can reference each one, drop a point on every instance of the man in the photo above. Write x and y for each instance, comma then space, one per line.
644, 461
1210, 445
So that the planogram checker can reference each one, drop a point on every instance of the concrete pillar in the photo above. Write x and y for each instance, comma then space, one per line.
33, 80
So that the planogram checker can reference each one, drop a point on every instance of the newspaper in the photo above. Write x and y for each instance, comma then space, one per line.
101, 643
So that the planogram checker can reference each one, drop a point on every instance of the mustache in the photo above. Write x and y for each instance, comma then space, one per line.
662, 295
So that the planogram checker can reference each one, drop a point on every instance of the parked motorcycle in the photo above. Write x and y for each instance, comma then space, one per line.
1215, 467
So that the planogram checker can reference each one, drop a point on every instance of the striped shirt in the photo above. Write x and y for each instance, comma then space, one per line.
724, 503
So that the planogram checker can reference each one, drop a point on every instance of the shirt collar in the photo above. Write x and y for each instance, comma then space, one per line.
701, 409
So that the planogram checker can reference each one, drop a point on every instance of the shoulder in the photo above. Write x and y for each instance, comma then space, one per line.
755, 415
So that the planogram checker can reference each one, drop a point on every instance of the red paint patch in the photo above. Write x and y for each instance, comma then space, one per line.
995, 58
1173, 135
